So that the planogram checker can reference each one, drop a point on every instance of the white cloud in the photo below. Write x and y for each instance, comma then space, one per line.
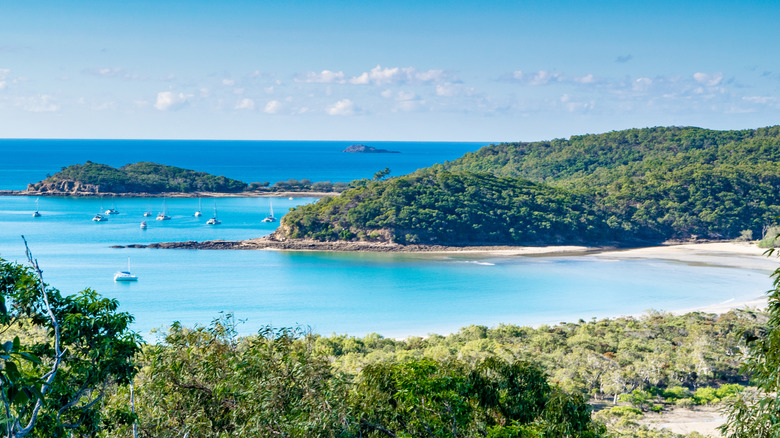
397, 75
228, 82
3, 74
42, 103
541, 77
587, 79
169, 101
113, 72
642, 84
760, 99
708, 79
272, 107
245, 104
324, 77
343, 107
406, 95
387, 94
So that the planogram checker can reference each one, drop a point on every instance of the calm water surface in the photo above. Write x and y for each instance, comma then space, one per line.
392, 294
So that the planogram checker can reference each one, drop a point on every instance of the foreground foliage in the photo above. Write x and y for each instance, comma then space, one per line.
63, 354
640, 184
757, 413
206, 382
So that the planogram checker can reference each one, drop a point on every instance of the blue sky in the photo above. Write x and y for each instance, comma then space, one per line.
383, 70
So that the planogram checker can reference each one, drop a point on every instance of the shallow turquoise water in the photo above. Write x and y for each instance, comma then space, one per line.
392, 294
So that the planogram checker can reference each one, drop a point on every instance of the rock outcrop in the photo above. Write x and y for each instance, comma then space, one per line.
64, 187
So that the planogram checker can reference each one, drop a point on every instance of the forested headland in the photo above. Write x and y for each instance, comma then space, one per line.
638, 185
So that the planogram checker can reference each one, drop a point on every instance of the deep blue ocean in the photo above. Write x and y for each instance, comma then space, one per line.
26, 161
395, 295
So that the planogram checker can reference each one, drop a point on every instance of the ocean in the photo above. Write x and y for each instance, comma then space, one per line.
27, 161
395, 295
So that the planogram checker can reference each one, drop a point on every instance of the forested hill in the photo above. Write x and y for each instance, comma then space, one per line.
636, 185
142, 177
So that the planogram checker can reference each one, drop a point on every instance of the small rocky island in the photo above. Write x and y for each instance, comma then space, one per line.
363, 149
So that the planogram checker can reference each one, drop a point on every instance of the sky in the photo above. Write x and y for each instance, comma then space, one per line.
383, 70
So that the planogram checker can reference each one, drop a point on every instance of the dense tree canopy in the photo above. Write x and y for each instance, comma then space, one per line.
61, 355
635, 185
145, 177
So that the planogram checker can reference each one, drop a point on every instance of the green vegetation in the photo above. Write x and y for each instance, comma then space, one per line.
755, 413
446, 207
143, 177
635, 185
64, 354
508, 381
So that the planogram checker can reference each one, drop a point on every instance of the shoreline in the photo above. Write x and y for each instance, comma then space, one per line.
729, 254
305, 194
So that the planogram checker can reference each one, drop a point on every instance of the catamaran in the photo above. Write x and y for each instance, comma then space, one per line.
125, 275
163, 216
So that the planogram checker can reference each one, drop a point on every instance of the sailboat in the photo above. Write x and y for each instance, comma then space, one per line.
125, 275
36, 214
270, 217
163, 216
112, 210
214, 220
99, 217
143, 225
198, 213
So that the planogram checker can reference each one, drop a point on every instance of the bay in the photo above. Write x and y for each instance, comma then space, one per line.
396, 295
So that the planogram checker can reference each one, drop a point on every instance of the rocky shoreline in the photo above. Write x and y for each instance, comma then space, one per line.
252, 194
269, 243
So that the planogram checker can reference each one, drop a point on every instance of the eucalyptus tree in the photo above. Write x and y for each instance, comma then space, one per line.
75, 347
756, 413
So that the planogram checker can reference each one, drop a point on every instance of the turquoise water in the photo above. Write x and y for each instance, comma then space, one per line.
392, 294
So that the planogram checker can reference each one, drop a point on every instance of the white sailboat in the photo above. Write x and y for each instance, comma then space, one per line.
214, 220
125, 275
270, 217
143, 225
112, 210
36, 214
198, 213
163, 216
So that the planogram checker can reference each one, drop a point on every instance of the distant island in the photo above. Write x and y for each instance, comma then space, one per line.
143, 177
153, 179
363, 149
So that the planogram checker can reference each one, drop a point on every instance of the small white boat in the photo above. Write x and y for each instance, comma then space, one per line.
36, 214
214, 220
270, 217
198, 213
143, 225
125, 275
112, 210
147, 214
99, 218
163, 216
